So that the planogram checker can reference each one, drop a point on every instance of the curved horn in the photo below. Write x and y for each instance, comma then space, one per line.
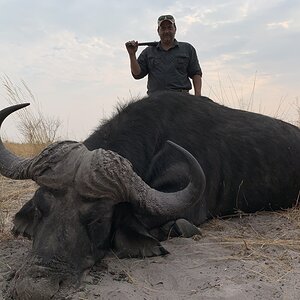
173, 204
11, 165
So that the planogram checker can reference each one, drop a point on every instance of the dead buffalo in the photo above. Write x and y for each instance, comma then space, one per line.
126, 188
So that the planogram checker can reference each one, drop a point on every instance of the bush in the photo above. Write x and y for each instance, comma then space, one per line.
35, 127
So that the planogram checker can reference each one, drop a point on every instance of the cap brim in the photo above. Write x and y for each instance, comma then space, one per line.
171, 21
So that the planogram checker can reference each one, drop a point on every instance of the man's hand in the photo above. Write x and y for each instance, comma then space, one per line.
131, 47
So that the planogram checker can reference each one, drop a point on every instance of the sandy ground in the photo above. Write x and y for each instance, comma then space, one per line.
256, 256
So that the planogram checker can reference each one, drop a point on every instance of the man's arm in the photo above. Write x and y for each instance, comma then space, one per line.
132, 47
134, 65
197, 83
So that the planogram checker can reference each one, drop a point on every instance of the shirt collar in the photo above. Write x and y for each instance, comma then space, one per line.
176, 44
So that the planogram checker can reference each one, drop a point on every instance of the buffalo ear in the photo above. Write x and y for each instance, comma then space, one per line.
131, 238
24, 220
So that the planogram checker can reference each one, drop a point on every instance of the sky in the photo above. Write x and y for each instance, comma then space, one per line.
72, 57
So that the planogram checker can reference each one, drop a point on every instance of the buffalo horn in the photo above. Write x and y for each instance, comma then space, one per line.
12, 166
171, 204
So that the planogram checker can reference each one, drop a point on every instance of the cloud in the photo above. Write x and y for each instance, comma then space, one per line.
284, 25
59, 56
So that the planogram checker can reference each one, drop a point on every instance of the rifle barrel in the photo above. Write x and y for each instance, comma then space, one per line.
148, 44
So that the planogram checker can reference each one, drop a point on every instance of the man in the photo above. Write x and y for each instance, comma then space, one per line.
170, 64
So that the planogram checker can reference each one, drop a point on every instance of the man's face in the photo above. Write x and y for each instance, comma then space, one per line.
166, 31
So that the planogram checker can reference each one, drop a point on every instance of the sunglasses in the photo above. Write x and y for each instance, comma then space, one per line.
166, 17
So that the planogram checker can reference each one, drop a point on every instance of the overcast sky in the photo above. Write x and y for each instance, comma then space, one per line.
71, 54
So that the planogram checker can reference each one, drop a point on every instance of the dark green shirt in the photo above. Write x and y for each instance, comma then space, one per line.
171, 69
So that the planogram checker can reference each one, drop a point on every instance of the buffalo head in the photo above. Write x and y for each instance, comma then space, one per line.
73, 216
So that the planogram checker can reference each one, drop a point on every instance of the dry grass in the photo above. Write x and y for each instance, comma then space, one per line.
34, 125
241, 95
268, 239
261, 229
25, 150
13, 194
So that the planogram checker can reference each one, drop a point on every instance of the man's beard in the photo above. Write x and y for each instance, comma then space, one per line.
167, 37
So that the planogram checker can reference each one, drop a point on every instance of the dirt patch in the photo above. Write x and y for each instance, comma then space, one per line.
255, 256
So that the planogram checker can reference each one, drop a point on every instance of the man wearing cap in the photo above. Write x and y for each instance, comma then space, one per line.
169, 64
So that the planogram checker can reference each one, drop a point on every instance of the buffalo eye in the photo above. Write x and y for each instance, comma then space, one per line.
37, 214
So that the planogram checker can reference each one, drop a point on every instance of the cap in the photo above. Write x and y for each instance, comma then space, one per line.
169, 18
